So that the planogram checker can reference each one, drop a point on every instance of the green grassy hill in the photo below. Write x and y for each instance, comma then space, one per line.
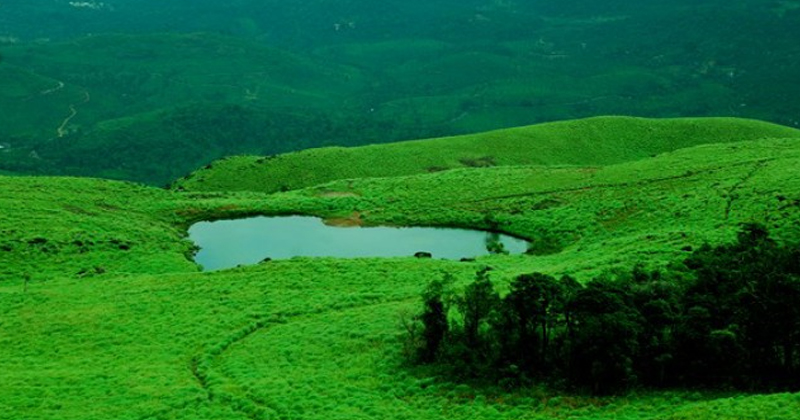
79, 226
592, 141
115, 322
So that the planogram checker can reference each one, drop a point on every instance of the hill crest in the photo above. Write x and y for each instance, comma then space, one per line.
587, 142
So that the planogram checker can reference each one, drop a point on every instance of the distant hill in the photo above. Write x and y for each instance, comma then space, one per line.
592, 141
378, 78
33, 105
130, 74
160, 146
139, 107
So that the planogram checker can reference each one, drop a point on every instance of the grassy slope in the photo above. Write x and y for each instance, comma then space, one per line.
314, 338
592, 141
267, 340
644, 210
73, 225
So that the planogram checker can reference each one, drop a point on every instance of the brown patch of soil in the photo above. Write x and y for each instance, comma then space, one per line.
354, 220
337, 194
481, 162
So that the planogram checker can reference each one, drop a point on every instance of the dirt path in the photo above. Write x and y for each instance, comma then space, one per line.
73, 111
52, 90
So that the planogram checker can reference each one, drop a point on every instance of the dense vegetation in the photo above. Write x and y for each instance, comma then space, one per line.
131, 91
730, 319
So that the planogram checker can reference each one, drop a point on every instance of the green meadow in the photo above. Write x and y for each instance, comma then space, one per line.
104, 314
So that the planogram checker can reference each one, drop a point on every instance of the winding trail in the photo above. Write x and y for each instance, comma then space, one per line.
52, 90
217, 388
731, 195
632, 183
73, 111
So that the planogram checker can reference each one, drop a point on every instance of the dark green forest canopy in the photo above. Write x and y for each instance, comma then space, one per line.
727, 317
178, 85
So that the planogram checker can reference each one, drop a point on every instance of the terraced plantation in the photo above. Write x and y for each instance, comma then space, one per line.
105, 315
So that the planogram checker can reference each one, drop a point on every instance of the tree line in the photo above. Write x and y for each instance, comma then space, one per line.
728, 316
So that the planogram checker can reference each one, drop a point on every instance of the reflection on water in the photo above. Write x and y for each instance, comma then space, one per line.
228, 243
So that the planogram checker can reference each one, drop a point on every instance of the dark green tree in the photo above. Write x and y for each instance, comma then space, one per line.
605, 327
529, 310
659, 302
434, 319
749, 292
730, 317
477, 304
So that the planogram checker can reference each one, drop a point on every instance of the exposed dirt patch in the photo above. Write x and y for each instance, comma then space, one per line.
353, 220
481, 162
78, 210
547, 203
228, 207
106, 206
611, 219
328, 194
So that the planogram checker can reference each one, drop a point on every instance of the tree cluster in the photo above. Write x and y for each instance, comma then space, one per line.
729, 316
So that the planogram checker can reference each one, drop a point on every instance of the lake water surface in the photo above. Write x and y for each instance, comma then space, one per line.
228, 243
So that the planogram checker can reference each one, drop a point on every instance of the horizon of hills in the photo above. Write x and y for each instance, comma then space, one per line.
152, 106
100, 295
590, 141
312, 24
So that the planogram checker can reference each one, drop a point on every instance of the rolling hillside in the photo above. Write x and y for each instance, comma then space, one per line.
592, 141
378, 113
104, 314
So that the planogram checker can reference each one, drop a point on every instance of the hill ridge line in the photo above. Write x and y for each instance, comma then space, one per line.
596, 141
